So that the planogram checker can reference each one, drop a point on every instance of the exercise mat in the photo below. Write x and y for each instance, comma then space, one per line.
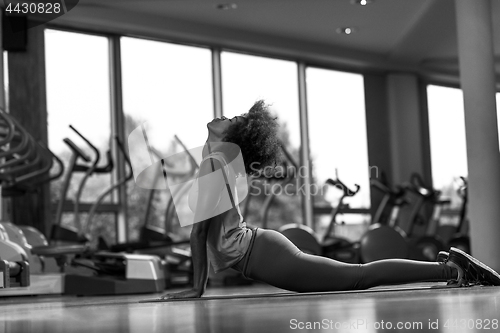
405, 287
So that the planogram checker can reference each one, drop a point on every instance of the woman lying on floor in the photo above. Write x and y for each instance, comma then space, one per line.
267, 255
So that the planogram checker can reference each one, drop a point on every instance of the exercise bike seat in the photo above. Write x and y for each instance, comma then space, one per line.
302, 236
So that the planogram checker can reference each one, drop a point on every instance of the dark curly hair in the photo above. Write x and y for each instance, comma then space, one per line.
256, 135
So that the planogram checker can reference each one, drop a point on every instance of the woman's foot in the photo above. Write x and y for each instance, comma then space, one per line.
442, 256
470, 270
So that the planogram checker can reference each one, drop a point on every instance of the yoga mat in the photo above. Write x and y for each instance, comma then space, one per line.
294, 294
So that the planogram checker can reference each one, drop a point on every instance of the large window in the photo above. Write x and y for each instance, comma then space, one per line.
169, 88
498, 116
245, 80
78, 94
337, 133
448, 143
447, 140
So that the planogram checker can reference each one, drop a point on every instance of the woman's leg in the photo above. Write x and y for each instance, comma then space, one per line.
277, 261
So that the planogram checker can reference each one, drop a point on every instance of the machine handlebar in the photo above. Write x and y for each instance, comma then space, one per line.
109, 165
95, 169
397, 193
96, 151
417, 186
462, 190
76, 150
347, 192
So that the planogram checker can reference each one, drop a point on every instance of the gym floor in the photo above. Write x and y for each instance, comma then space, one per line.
413, 307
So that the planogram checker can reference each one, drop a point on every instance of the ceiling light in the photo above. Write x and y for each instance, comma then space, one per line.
226, 6
361, 2
346, 30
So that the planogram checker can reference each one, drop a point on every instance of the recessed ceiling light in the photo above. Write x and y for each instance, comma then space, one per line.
346, 30
226, 6
361, 2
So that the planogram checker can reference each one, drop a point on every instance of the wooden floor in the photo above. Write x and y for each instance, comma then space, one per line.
474, 309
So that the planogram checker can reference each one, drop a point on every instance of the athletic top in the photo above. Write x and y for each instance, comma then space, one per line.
227, 241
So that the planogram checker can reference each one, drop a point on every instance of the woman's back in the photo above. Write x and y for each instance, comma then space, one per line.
228, 236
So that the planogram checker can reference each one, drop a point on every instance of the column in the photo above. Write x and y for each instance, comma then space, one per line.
27, 103
477, 77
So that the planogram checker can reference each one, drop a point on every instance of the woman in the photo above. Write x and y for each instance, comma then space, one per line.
268, 256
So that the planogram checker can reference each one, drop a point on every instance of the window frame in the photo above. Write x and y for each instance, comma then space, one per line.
117, 115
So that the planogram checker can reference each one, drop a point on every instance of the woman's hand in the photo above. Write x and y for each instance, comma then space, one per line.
190, 293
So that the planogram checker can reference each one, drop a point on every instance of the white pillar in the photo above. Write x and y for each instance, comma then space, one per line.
217, 82
477, 77
3, 213
2, 70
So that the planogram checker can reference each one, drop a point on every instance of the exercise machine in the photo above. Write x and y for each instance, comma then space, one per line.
384, 239
14, 265
304, 237
425, 246
330, 245
461, 238
154, 240
150, 235
81, 272
103, 272
65, 234
24, 164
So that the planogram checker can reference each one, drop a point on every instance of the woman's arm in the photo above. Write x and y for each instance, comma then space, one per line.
209, 192
200, 259
200, 262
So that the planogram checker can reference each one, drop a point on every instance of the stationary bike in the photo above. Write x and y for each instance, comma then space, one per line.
461, 238
64, 234
25, 165
330, 246
425, 246
154, 240
384, 239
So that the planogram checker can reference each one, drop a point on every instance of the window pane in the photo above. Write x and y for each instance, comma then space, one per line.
498, 116
245, 80
447, 140
337, 133
5, 67
170, 87
78, 93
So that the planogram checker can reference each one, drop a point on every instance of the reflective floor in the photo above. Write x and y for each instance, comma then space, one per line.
474, 309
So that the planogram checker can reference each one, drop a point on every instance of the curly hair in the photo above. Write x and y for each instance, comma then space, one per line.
256, 135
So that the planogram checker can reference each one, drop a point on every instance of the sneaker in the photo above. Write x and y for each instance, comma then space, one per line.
470, 270
442, 256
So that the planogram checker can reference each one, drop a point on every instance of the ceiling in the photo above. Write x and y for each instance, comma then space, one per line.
398, 35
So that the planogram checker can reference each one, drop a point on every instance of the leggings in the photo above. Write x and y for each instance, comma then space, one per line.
275, 260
